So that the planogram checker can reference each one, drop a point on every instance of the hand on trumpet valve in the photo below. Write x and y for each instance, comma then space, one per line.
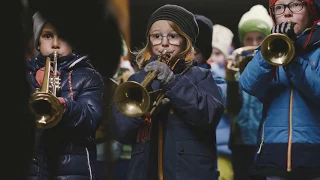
40, 75
62, 101
164, 102
164, 73
286, 28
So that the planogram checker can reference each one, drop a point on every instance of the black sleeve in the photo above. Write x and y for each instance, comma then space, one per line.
234, 99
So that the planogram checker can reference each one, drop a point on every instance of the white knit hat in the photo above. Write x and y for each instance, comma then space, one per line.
222, 38
256, 19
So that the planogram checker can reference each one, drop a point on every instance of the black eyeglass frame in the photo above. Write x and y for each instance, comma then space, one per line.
287, 6
166, 36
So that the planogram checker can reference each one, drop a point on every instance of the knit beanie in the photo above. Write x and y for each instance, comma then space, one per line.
38, 23
256, 19
180, 16
204, 38
313, 5
222, 38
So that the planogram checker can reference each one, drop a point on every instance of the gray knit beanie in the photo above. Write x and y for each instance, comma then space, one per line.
180, 16
38, 23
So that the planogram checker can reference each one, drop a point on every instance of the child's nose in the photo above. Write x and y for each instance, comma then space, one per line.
255, 42
287, 12
55, 43
165, 41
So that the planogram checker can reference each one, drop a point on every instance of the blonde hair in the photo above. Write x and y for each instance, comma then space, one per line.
145, 53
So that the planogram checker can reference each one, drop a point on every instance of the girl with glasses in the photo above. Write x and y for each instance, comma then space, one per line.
178, 140
246, 110
289, 138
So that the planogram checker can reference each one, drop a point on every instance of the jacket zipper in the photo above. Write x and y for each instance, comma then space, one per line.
89, 164
262, 138
289, 153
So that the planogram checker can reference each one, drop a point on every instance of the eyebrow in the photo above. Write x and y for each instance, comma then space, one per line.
158, 30
47, 31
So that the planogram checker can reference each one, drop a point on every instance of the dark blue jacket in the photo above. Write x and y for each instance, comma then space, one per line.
224, 126
190, 120
67, 151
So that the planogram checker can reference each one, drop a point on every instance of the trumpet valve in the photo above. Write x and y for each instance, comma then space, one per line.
57, 81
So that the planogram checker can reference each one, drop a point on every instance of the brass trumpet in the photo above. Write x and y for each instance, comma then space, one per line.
277, 49
132, 99
44, 103
241, 57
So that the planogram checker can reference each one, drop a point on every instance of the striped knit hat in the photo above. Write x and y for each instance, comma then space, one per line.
180, 16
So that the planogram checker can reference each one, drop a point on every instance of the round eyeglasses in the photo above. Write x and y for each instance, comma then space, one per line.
295, 6
173, 39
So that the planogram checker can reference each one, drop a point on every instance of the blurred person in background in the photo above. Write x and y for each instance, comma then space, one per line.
203, 46
221, 45
125, 69
246, 110
117, 159
203, 49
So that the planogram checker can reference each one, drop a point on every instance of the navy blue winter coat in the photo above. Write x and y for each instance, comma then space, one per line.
68, 150
190, 120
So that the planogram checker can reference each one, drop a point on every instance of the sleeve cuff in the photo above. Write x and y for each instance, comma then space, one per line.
262, 62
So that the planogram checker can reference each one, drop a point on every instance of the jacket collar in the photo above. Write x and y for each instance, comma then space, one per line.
66, 62
314, 41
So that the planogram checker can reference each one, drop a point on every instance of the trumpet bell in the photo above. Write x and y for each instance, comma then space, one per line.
277, 49
132, 99
47, 109
240, 58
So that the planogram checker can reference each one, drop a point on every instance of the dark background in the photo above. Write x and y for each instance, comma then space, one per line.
224, 12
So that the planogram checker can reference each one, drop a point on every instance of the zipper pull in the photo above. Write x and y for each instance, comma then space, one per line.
260, 147
262, 137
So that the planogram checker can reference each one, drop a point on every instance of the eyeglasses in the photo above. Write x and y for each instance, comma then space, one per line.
173, 39
295, 6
